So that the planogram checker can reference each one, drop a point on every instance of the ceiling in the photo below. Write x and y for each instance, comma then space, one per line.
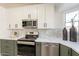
9, 5
60, 6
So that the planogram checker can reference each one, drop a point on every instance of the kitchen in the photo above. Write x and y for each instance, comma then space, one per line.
36, 29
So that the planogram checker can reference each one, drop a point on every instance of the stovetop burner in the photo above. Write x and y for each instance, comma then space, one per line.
29, 37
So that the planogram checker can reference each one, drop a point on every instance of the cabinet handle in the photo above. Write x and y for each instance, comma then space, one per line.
69, 52
53, 45
47, 45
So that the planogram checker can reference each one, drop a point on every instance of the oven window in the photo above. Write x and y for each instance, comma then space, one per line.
28, 23
26, 50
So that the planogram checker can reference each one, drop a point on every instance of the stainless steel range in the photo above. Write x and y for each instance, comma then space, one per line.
26, 45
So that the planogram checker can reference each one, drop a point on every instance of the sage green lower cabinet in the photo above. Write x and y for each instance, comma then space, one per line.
38, 49
74, 53
8, 47
65, 51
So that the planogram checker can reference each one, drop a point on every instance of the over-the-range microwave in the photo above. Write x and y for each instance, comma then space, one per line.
29, 23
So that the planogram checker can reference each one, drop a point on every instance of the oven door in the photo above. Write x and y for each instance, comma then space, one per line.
26, 48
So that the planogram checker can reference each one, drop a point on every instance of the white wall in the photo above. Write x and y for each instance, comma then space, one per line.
3, 22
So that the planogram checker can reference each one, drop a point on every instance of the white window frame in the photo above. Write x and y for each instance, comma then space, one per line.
70, 21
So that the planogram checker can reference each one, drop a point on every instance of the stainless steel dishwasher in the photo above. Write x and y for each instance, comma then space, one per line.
50, 49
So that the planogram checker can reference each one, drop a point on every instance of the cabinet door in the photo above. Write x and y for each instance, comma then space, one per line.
32, 10
8, 48
54, 49
74, 53
46, 16
4, 48
50, 16
41, 16
63, 50
13, 47
38, 49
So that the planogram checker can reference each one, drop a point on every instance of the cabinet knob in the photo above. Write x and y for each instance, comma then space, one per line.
45, 24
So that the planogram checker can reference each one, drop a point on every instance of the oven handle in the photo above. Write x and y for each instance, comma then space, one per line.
26, 43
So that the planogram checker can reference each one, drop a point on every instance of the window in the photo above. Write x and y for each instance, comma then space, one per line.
70, 16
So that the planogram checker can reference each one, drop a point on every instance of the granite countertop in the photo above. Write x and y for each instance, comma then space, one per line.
73, 45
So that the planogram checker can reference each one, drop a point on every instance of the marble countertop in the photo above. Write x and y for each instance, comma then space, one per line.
10, 38
73, 45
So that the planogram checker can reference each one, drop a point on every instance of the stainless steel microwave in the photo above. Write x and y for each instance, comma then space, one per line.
29, 23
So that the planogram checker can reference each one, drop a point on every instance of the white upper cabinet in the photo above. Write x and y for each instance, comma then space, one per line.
44, 13
32, 10
41, 16
46, 16
17, 14
50, 16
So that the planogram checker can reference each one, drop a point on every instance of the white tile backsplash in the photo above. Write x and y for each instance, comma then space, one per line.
50, 32
21, 32
43, 33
